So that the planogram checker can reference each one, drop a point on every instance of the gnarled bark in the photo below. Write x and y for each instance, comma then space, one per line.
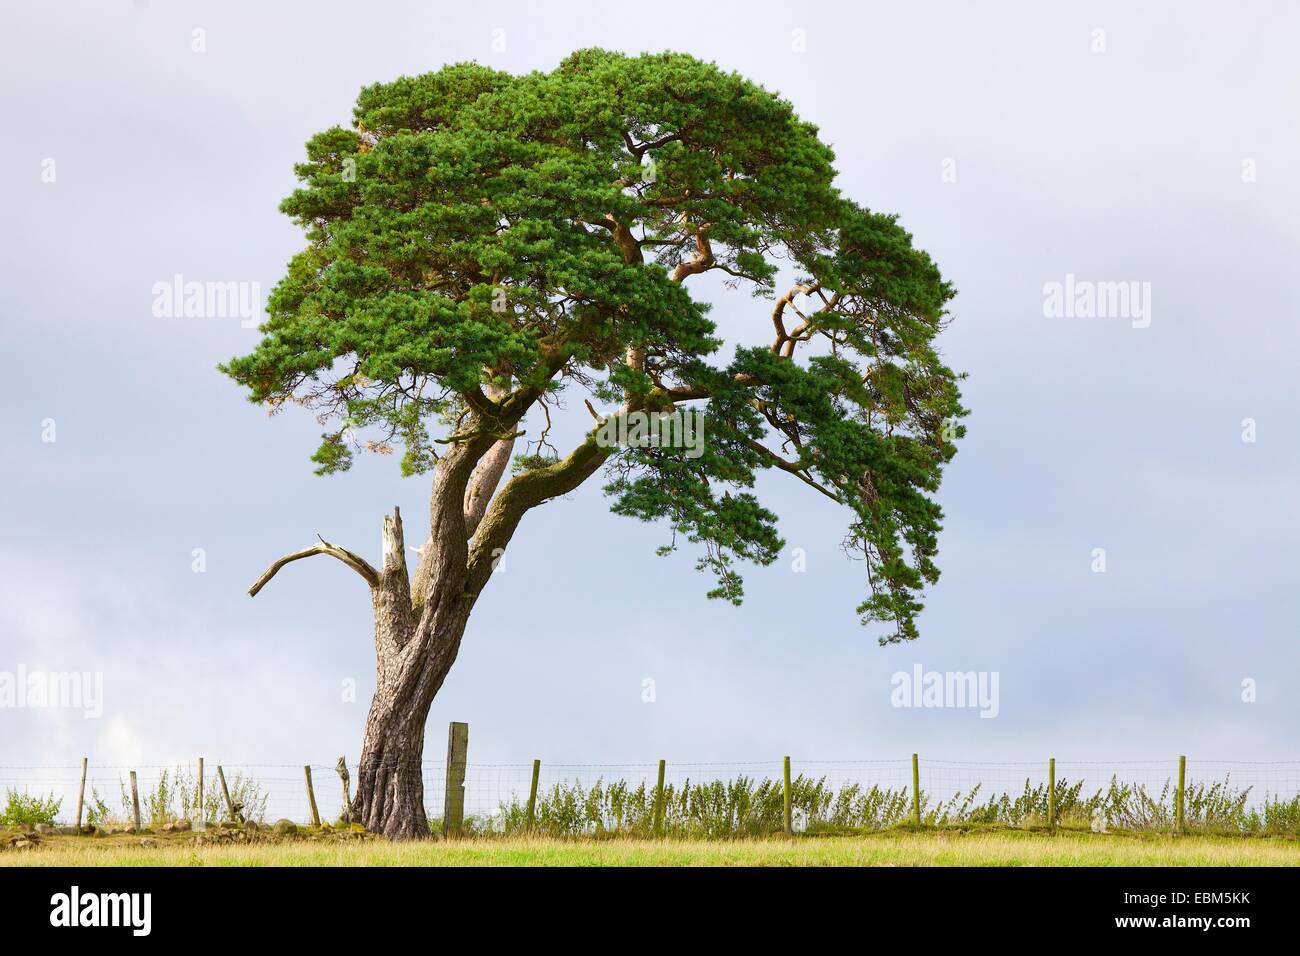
417, 638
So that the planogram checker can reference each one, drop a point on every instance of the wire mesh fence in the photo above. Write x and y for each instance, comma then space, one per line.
712, 798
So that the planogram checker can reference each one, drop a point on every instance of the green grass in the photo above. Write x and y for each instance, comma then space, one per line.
957, 847
749, 807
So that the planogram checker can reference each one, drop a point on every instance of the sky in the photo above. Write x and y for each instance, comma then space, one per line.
1111, 143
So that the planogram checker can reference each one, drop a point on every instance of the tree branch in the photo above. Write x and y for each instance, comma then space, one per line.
524, 491
703, 260
355, 562
487, 474
792, 467
639, 149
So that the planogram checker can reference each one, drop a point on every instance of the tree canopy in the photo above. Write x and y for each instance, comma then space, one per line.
481, 244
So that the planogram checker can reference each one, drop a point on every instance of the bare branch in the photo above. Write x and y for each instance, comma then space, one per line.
355, 562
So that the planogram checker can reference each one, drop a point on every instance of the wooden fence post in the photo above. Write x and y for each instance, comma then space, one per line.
225, 792
342, 768
1051, 793
1181, 797
81, 791
916, 790
789, 827
311, 797
659, 802
532, 795
202, 822
135, 802
453, 801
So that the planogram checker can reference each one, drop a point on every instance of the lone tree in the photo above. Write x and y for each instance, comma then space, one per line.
479, 244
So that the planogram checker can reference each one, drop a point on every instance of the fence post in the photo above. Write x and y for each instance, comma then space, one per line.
311, 797
135, 802
225, 792
789, 828
202, 822
659, 802
1181, 795
81, 791
1051, 793
532, 795
342, 769
916, 790
453, 801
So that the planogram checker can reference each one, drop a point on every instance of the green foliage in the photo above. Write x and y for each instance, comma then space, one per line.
24, 810
474, 229
175, 796
713, 809
748, 807
97, 809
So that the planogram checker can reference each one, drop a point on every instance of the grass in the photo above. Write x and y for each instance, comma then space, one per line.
951, 847
709, 823
748, 807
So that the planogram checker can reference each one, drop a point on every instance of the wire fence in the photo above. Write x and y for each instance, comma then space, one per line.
1238, 795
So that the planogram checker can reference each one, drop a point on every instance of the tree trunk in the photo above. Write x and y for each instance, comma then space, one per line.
417, 638
420, 620
390, 787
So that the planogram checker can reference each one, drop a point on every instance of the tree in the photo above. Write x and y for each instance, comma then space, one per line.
481, 244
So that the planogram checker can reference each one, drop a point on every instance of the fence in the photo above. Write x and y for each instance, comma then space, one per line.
773, 794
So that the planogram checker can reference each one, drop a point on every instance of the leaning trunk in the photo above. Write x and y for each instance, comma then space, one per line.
417, 636
390, 789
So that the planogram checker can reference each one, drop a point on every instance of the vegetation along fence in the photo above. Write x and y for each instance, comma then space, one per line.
689, 799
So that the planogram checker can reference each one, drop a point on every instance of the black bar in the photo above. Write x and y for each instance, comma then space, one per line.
928, 904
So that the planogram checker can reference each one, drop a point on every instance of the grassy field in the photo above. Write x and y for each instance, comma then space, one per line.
897, 848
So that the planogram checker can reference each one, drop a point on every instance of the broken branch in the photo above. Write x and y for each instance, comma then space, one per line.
355, 562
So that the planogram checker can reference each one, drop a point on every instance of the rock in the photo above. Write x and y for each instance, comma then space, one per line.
181, 826
148, 844
44, 829
283, 826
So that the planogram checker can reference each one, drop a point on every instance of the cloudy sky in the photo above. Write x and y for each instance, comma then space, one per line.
1020, 146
